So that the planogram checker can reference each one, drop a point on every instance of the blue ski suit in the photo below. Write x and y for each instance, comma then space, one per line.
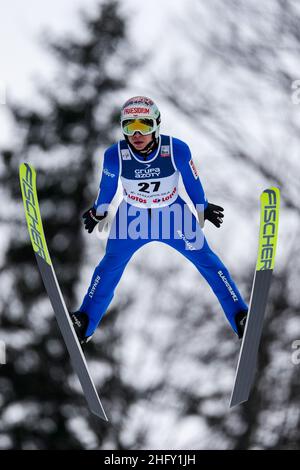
152, 210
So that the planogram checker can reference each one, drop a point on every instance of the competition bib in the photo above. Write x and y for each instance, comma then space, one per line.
152, 183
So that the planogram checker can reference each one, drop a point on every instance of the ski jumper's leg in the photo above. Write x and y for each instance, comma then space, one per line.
119, 249
187, 237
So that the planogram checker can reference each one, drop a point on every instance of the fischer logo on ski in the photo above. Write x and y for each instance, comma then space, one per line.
268, 229
27, 178
268, 234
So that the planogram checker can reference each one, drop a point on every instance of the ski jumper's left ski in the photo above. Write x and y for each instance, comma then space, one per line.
35, 228
270, 200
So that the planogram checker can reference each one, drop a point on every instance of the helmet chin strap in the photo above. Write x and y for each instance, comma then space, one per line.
146, 150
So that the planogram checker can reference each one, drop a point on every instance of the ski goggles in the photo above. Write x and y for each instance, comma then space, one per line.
143, 125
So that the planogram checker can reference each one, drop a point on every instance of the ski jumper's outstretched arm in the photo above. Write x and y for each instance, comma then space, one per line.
107, 190
185, 165
109, 180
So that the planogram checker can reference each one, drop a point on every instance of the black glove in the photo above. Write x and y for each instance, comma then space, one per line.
214, 214
90, 219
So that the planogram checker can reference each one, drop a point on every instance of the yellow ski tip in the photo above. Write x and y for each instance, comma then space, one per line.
268, 235
32, 211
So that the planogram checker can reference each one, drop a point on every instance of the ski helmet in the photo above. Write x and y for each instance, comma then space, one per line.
140, 114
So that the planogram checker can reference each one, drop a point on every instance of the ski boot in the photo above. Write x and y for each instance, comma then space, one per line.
240, 320
80, 322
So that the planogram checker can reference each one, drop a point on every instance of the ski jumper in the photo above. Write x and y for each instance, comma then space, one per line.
150, 191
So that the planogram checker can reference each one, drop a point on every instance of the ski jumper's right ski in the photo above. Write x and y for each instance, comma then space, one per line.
270, 200
35, 228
